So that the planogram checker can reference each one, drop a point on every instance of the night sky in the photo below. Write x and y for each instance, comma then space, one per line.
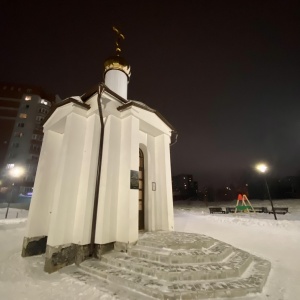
225, 74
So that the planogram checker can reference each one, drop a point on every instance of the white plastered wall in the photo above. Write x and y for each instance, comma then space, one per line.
158, 201
87, 183
164, 201
63, 197
117, 217
109, 181
127, 214
66, 182
42, 198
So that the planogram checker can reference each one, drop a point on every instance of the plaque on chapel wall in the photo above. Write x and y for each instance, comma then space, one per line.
134, 180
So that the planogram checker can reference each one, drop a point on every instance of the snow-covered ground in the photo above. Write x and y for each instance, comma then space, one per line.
277, 241
259, 234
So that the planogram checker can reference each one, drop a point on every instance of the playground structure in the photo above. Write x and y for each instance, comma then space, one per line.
243, 204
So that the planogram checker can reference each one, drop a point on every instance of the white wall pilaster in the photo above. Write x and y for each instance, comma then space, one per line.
65, 190
87, 182
164, 202
109, 181
127, 210
42, 199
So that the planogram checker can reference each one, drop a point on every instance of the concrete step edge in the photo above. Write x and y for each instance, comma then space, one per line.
233, 267
202, 289
185, 256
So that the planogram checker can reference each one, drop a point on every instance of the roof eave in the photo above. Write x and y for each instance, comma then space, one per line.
62, 103
128, 105
92, 91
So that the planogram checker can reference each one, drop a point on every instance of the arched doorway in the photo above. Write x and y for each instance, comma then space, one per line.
141, 191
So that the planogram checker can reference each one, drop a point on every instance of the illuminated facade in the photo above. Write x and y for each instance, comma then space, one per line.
104, 174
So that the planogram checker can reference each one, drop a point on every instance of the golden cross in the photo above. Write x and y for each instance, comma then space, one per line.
120, 37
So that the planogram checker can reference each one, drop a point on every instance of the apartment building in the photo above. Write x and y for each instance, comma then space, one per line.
22, 112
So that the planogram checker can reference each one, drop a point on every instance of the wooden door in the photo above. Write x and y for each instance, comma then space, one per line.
141, 191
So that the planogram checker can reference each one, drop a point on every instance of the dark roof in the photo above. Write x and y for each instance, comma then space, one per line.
127, 104
145, 107
93, 90
142, 105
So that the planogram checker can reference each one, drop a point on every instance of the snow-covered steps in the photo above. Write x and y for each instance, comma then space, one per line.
216, 252
236, 264
166, 271
175, 240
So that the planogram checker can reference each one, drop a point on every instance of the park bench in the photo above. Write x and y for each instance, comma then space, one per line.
230, 210
260, 209
280, 210
256, 209
217, 210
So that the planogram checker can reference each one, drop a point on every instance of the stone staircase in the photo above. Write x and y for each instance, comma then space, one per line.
175, 265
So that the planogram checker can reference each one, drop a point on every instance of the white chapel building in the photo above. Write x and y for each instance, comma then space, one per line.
104, 173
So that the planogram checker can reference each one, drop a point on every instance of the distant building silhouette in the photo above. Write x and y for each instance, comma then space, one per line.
226, 194
289, 187
22, 112
206, 194
184, 186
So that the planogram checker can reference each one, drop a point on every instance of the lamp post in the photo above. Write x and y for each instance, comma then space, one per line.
262, 168
14, 173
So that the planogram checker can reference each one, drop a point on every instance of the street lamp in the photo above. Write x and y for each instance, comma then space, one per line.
262, 168
15, 172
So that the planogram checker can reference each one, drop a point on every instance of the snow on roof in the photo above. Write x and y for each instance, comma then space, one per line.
78, 98
142, 104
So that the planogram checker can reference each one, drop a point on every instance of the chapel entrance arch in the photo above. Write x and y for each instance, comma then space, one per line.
141, 191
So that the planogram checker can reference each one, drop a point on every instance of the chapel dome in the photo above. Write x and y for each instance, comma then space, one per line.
117, 63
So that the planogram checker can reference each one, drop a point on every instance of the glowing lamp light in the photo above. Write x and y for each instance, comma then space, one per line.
16, 172
262, 168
